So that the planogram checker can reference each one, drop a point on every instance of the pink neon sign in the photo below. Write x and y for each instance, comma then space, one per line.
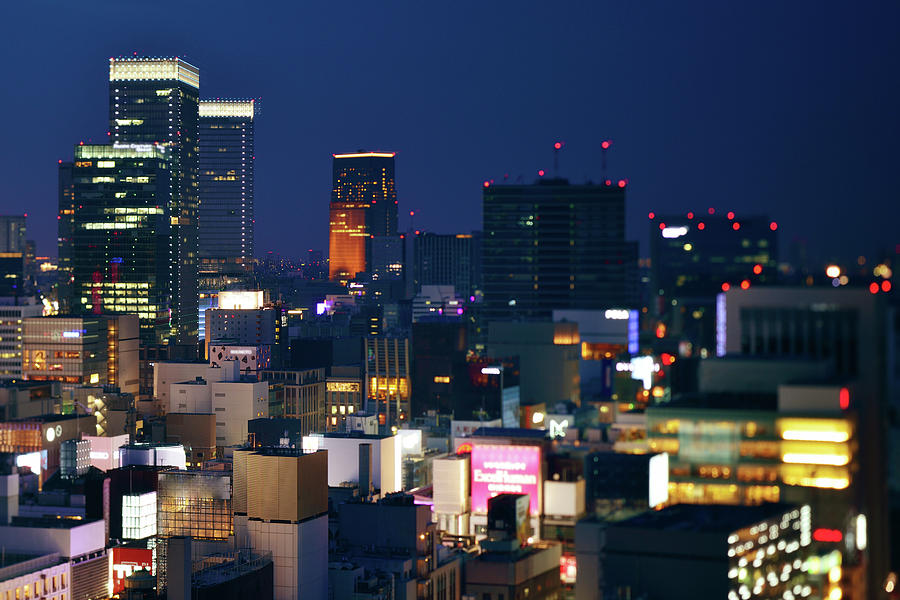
506, 469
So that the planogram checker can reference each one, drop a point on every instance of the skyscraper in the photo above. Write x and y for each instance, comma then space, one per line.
122, 236
448, 259
226, 189
12, 233
363, 204
64, 239
553, 245
156, 101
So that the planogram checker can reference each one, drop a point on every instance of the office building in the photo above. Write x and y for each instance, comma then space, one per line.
344, 396
12, 326
397, 536
123, 241
363, 205
290, 519
304, 396
82, 351
701, 551
65, 235
12, 275
387, 378
234, 576
695, 256
448, 259
549, 356
156, 101
233, 402
12, 233
166, 373
43, 574
226, 217
370, 461
192, 503
27, 399
552, 246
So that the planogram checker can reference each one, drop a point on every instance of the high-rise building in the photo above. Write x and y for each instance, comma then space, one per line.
695, 256
12, 315
553, 245
451, 259
65, 239
12, 233
156, 101
387, 378
363, 204
226, 189
123, 241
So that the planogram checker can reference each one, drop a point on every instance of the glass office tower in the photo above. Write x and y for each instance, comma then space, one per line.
362, 191
64, 236
156, 101
553, 246
123, 235
226, 190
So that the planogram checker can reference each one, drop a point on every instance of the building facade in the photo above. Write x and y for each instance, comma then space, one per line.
448, 259
553, 245
226, 216
156, 101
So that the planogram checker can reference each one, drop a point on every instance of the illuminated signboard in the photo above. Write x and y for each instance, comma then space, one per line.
342, 386
126, 561
567, 569
658, 480
505, 469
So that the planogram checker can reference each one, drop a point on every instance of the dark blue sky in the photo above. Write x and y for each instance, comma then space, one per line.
789, 108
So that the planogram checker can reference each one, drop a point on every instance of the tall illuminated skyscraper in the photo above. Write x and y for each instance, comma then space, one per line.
363, 204
123, 236
64, 236
226, 189
156, 101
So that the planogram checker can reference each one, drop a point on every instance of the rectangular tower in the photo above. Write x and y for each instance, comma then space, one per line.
553, 245
365, 180
156, 101
66, 196
123, 237
226, 188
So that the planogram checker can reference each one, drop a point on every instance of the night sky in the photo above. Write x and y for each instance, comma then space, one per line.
789, 108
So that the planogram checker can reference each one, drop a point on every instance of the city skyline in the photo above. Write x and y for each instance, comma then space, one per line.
749, 128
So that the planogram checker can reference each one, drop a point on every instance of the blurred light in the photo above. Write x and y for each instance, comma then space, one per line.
726, 286
621, 183
833, 271
605, 144
541, 173
885, 286
701, 226
735, 225
862, 536
745, 284
712, 211
487, 184
661, 330
690, 215
804, 458
873, 287
773, 226
537, 418
827, 535
844, 279
662, 225
688, 247
652, 215
730, 215
757, 269
557, 145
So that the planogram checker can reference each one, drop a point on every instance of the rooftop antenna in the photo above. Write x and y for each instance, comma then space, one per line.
604, 146
556, 148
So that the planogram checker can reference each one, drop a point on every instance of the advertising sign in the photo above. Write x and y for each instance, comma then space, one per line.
505, 469
126, 561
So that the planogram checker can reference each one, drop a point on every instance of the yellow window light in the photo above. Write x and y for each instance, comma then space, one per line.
815, 436
815, 459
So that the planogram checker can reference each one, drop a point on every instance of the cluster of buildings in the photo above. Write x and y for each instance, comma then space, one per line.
529, 410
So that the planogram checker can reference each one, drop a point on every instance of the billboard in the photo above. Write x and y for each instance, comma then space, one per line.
506, 469
126, 561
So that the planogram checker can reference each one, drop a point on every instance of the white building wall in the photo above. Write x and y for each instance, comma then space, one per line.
190, 398
167, 373
15, 586
299, 553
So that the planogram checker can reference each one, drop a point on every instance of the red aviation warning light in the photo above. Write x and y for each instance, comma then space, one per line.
726, 286
757, 269
557, 145
651, 215
605, 144
773, 226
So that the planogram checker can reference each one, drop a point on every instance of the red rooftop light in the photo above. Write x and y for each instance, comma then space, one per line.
730, 215
557, 145
827, 535
652, 215
712, 211
844, 398
885, 285
701, 226
690, 215
735, 225
745, 284
873, 287
726, 286
487, 184
662, 225
621, 183
541, 173
757, 269
605, 144
773, 226
608, 182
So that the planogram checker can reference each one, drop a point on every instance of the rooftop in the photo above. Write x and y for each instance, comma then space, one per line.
48, 522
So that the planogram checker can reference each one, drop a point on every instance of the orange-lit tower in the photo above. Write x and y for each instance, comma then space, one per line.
363, 204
